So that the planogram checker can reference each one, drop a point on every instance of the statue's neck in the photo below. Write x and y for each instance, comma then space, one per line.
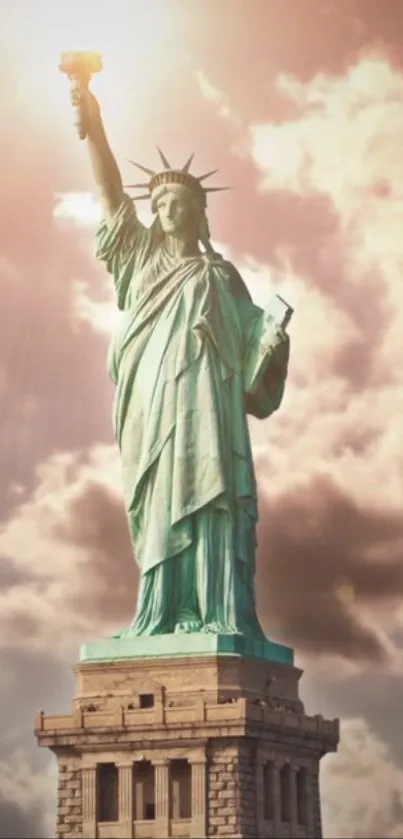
179, 248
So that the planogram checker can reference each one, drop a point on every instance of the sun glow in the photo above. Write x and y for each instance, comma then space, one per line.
135, 39
143, 26
83, 209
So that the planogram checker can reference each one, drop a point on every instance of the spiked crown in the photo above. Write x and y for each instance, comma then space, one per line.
174, 176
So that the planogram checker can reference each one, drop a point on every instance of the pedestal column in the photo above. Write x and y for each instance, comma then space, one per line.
266, 789
89, 799
261, 793
161, 797
199, 797
310, 808
276, 797
126, 798
293, 800
315, 799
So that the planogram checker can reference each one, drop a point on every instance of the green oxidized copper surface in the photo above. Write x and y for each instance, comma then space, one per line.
187, 644
192, 358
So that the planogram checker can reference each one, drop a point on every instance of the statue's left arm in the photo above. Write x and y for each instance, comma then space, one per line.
265, 367
266, 350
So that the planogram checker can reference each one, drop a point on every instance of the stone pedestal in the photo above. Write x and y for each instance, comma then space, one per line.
225, 734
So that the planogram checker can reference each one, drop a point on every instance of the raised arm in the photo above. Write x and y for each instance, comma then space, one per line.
104, 167
122, 242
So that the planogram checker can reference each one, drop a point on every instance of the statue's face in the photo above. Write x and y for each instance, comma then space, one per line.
177, 212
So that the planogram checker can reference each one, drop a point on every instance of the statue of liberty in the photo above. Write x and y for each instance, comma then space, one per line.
193, 357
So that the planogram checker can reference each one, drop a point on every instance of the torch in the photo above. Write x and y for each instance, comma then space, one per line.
79, 67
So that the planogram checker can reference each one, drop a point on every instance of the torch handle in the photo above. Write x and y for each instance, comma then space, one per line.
80, 87
79, 121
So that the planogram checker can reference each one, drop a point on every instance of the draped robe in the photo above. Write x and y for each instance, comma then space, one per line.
192, 357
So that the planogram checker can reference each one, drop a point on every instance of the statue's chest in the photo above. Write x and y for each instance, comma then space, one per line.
162, 275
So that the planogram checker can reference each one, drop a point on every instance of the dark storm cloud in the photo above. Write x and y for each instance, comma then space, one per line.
31, 681
317, 549
96, 521
374, 693
11, 575
321, 559
15, 823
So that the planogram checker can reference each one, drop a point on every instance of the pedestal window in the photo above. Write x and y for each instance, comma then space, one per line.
269, 770
107, 792
180, 789
285, 792
144, 791
302, 796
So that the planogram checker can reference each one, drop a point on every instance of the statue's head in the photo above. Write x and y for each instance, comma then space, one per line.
179, 210
179, 200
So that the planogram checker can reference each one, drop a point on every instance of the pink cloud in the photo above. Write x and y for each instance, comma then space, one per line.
324, 226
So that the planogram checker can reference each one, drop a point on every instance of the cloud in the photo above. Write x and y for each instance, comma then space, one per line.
27, 799
335, 440
318, 597
49, 361
342, 145
329, 578
83, 211
70, 571
341, 150
28, 782
83, 208
362, 787
208, 90
217, 97
343, 140
322, 227
102, 316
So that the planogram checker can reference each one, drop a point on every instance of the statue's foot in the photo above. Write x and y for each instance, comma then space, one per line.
188, 626
121, 633
215, 628
127, 632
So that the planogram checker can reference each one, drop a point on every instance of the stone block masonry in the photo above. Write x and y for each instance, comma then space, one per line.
197, 747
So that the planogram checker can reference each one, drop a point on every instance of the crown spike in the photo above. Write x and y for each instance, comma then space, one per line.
143, 168
165, 162
136, 186
141, 197
186, 166
216, 188
207, 175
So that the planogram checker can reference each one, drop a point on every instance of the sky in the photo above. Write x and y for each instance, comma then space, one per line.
299, 103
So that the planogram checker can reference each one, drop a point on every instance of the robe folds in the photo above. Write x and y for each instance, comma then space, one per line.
192, 357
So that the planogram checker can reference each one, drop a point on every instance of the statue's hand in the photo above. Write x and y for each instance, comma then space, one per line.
279, 334
86, 109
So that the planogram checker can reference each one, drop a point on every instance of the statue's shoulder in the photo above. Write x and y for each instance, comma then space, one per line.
228, 272
220, 264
